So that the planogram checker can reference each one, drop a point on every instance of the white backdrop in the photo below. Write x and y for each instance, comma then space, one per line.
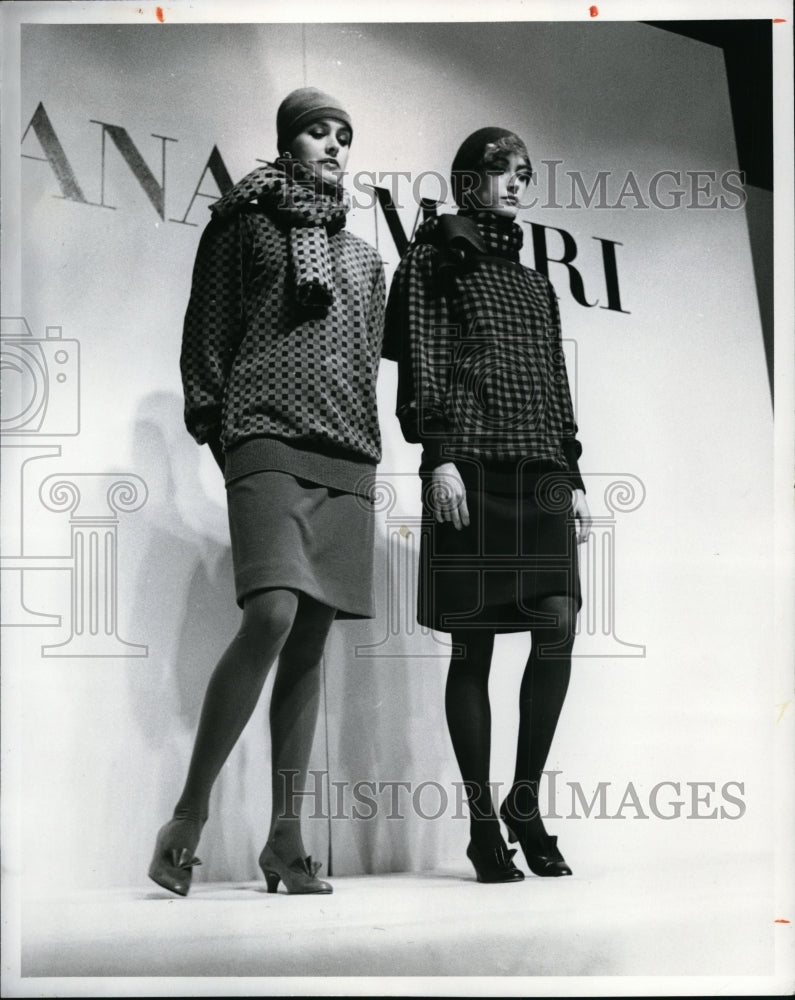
671, 397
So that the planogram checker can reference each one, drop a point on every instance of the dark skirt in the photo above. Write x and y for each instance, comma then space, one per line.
519, 548
295, 534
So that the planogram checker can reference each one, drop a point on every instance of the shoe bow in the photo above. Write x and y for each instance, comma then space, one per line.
307, 866
184, 859
504, 855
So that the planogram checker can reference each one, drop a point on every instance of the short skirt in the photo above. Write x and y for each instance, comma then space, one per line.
519, 548
295, 534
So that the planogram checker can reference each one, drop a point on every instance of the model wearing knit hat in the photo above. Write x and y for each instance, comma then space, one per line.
301, 108
280, 287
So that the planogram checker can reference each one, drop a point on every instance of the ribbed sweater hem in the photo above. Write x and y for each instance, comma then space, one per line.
340, 471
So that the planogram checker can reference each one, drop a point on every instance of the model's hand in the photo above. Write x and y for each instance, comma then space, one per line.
582, 515
448, 497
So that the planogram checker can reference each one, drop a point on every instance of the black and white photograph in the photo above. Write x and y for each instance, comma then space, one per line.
397, 532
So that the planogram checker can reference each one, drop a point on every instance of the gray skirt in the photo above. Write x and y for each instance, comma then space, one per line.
295, 534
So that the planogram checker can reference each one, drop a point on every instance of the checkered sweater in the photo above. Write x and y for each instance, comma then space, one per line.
481, 371
255, 364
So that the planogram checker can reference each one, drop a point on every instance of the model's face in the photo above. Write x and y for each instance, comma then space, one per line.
323, 146
501, 186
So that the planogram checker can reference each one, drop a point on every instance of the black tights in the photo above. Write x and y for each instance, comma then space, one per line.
294, 628
543, 690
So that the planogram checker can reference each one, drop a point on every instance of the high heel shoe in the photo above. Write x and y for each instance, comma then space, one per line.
493, 863
539, 848
298, 876
174, 859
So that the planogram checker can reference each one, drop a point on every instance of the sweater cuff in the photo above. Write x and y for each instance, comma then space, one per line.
433, 440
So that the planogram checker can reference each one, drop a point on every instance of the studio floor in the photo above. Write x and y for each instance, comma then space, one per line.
701, 921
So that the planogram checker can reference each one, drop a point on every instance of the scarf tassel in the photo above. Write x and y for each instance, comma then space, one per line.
311, 266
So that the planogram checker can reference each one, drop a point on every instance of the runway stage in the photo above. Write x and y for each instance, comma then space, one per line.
702, 919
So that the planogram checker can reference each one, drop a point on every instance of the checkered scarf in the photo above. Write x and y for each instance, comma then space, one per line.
501, 237
291, 195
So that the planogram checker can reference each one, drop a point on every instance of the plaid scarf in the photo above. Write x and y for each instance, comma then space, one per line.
502, 236
311, 212
499, 236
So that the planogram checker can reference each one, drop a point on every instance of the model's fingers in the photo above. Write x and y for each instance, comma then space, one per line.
455, 517
464, 510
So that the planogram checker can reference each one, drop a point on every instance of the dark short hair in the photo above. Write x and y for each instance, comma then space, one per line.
493, 151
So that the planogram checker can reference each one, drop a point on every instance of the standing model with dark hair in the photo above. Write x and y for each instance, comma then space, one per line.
483, 386
280, 354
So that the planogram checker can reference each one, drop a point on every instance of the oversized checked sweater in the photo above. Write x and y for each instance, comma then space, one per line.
477, 338
281, 376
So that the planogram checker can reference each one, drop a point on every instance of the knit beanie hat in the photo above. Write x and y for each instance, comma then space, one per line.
468, 159
301, 108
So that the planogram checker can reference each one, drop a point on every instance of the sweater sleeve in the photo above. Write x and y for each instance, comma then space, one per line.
570, 445
417, 320
213, 326
375, 310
